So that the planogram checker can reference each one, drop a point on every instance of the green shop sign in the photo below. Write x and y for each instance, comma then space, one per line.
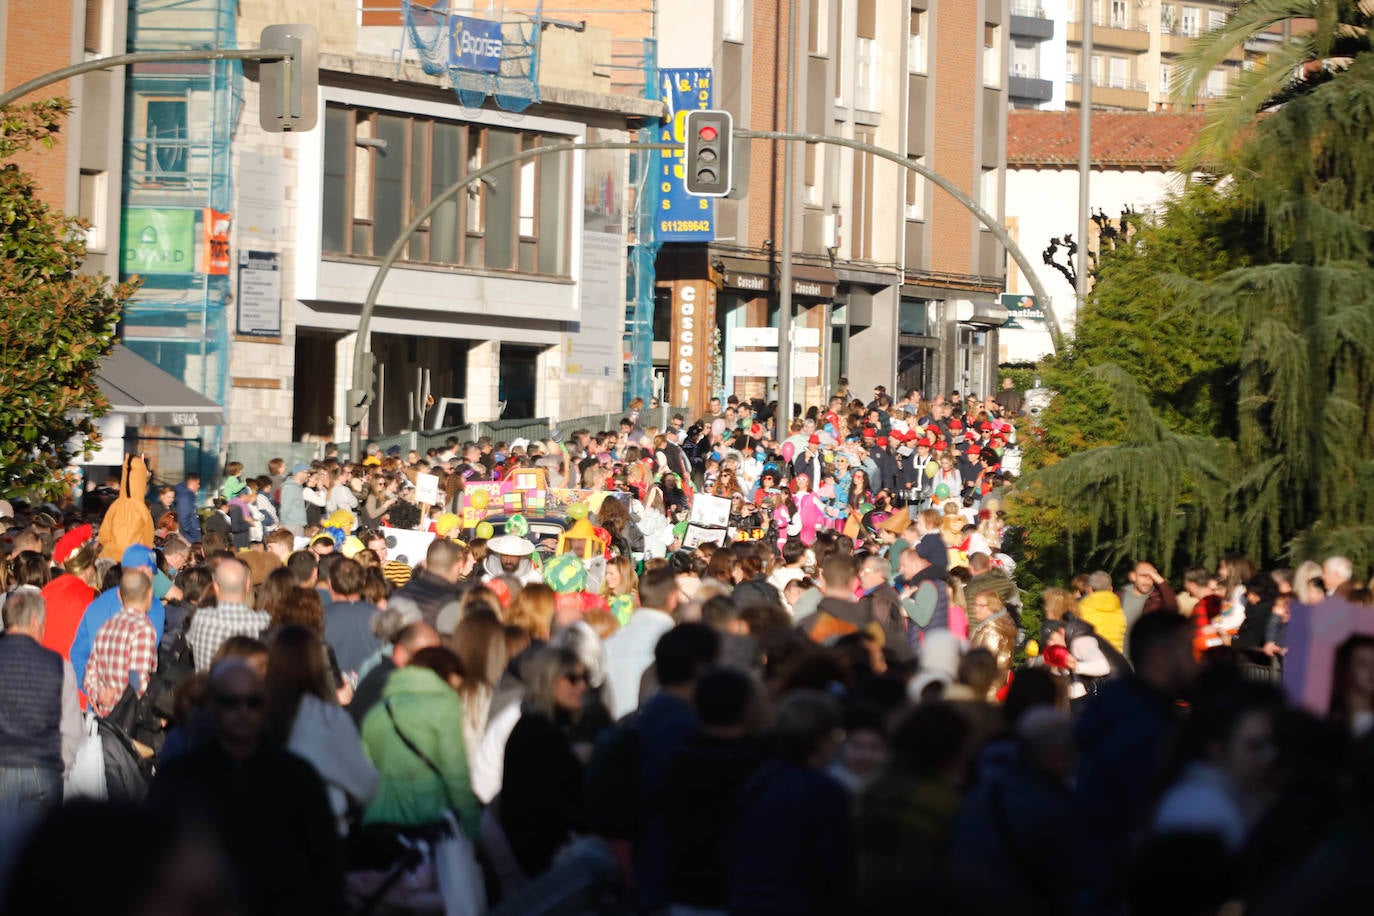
159, 242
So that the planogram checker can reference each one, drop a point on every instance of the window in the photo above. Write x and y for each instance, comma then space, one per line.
1216, 19
916, 42
1216, 83
861, 240
1168, 18
1025, 60
380, 168
866, 76
733, 26
1095, 74
1118, 76
97, 35
915, 191
1188, 22
990, 192
817, 36
992, 55
813, 169
92, 207
1166, 78
160, 144
1120, 14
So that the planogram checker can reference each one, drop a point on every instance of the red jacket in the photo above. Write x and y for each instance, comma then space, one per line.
66, 598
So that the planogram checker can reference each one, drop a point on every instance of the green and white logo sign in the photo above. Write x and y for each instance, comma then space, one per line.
159, 242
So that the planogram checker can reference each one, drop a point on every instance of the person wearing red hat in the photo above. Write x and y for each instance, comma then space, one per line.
809, 461
67, 596
887, 470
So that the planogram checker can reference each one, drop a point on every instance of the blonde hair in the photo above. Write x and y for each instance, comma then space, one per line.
1057, 602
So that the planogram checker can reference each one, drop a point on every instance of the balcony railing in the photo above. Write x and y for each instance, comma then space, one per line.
1112, 82
1024, 71
1029, 10
1112, 22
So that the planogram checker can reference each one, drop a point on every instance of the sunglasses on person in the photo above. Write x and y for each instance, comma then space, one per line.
239, 700
576, 677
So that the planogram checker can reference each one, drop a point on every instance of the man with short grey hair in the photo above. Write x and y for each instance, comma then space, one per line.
230, 617
40, 719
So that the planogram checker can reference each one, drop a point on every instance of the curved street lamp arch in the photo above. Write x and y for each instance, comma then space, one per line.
359, 397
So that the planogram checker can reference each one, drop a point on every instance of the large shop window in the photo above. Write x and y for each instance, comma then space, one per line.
381, 168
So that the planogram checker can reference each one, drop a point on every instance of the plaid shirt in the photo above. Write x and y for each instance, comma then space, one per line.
126, 642
211, 626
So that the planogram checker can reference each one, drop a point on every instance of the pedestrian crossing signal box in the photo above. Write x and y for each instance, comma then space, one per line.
708, 160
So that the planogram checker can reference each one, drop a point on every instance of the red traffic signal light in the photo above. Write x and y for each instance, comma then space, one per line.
707, 171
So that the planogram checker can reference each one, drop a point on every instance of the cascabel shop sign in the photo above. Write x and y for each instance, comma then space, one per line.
476, 44
694, 322
680, 217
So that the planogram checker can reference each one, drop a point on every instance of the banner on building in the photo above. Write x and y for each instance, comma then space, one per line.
158, 241
689, 362
680, 216
1025, 312
476, 44
215, 251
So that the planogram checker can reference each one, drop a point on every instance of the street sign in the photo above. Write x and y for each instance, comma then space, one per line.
289, 98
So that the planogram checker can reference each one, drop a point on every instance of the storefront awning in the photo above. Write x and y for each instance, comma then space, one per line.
749, 275
146, 396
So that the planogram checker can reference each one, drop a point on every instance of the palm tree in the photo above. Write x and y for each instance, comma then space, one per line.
1321, 39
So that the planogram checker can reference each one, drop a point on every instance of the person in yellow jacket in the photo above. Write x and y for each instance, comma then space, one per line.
1102, 608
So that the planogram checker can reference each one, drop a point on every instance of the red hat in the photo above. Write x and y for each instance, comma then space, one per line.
924, 443
955, 425
71, 542
974, 449
882, 442
941, 446
994, 441
756, 430
814, 440
985, 426
869, 432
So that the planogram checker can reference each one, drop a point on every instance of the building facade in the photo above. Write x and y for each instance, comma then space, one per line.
893, 281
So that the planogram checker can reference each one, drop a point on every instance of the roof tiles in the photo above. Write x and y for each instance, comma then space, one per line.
1120, 140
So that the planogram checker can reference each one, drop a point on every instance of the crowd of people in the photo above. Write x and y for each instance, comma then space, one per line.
838, 702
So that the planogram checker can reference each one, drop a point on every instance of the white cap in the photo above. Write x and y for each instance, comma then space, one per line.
521, 442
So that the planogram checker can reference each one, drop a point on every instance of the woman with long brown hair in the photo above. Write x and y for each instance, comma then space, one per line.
304, 718
479, 641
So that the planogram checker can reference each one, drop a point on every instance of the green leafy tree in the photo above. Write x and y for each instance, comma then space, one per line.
56, 324
1283, 467
1123, 464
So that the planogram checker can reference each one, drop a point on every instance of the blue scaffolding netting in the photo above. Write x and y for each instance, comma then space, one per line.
515, 85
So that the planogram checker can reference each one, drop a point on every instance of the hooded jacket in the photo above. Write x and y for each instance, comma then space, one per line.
127, 521
1103, 611
429, 712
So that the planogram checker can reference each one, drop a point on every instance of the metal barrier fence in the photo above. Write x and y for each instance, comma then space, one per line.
255, 455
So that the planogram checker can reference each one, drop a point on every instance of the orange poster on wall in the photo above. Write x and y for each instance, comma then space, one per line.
215, 261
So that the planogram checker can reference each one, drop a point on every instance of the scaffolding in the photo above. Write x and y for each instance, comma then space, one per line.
179, 125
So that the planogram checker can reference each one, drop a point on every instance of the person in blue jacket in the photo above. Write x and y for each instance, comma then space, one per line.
185, 505
107, 604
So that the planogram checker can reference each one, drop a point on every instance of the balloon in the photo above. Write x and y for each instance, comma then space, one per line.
484, 531
577, 511
1032, 648
479, 499
789, 451
931, 468
942, 491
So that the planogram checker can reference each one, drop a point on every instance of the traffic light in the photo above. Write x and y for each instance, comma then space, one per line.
707, 163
